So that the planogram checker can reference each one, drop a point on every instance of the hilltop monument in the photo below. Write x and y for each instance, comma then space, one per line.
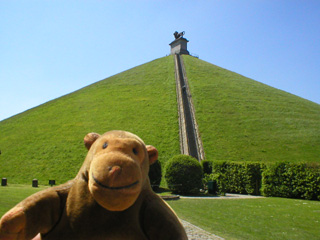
179, 45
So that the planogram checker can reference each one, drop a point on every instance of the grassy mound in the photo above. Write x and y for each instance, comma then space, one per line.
243, 120
46, 142
239, 119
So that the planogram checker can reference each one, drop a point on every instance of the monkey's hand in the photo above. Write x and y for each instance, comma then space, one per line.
13, 225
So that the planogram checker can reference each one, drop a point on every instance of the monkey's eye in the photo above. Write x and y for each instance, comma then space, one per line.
135, 151
105, 145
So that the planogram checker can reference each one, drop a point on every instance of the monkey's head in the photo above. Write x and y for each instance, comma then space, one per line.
116, 168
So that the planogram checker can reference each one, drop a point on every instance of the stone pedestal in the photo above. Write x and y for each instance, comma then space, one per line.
3, 182
35, 183
179, 46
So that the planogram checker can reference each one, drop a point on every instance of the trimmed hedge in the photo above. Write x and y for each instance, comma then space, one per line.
282, 179
184, 174
292, 180
207, 166
234, 177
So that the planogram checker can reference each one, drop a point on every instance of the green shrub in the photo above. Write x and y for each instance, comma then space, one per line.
292, 180
234, 177
282, 179
184, 174
253, 181
207, 166
155, 175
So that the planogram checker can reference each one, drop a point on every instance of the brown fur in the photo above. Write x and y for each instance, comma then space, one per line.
110, 198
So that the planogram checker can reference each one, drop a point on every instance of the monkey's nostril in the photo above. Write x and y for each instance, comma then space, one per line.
114, 170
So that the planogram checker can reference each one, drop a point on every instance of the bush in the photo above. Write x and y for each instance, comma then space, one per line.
207, 166
282, 179
155, 175
233, 177
184, 174
292, 180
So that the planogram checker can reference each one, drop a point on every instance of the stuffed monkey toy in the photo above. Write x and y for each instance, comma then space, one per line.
110, 198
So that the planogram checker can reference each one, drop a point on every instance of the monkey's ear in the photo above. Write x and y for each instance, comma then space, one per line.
90, 138
153, 154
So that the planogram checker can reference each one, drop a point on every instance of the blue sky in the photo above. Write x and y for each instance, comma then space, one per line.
51, 48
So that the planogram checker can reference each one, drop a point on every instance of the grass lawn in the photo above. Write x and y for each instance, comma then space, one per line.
13, 194
269, 218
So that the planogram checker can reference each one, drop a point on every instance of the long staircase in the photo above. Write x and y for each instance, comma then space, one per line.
190, 142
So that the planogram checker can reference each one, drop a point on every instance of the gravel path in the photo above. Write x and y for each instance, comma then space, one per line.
196, 233
227, 196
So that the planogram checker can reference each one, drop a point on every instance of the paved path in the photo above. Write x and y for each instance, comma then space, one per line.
227, 196
196, 233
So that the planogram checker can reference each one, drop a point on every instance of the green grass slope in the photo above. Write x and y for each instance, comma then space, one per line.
46, 142
244, 120
239, 119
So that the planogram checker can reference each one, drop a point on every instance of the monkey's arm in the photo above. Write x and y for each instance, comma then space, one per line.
36, 214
